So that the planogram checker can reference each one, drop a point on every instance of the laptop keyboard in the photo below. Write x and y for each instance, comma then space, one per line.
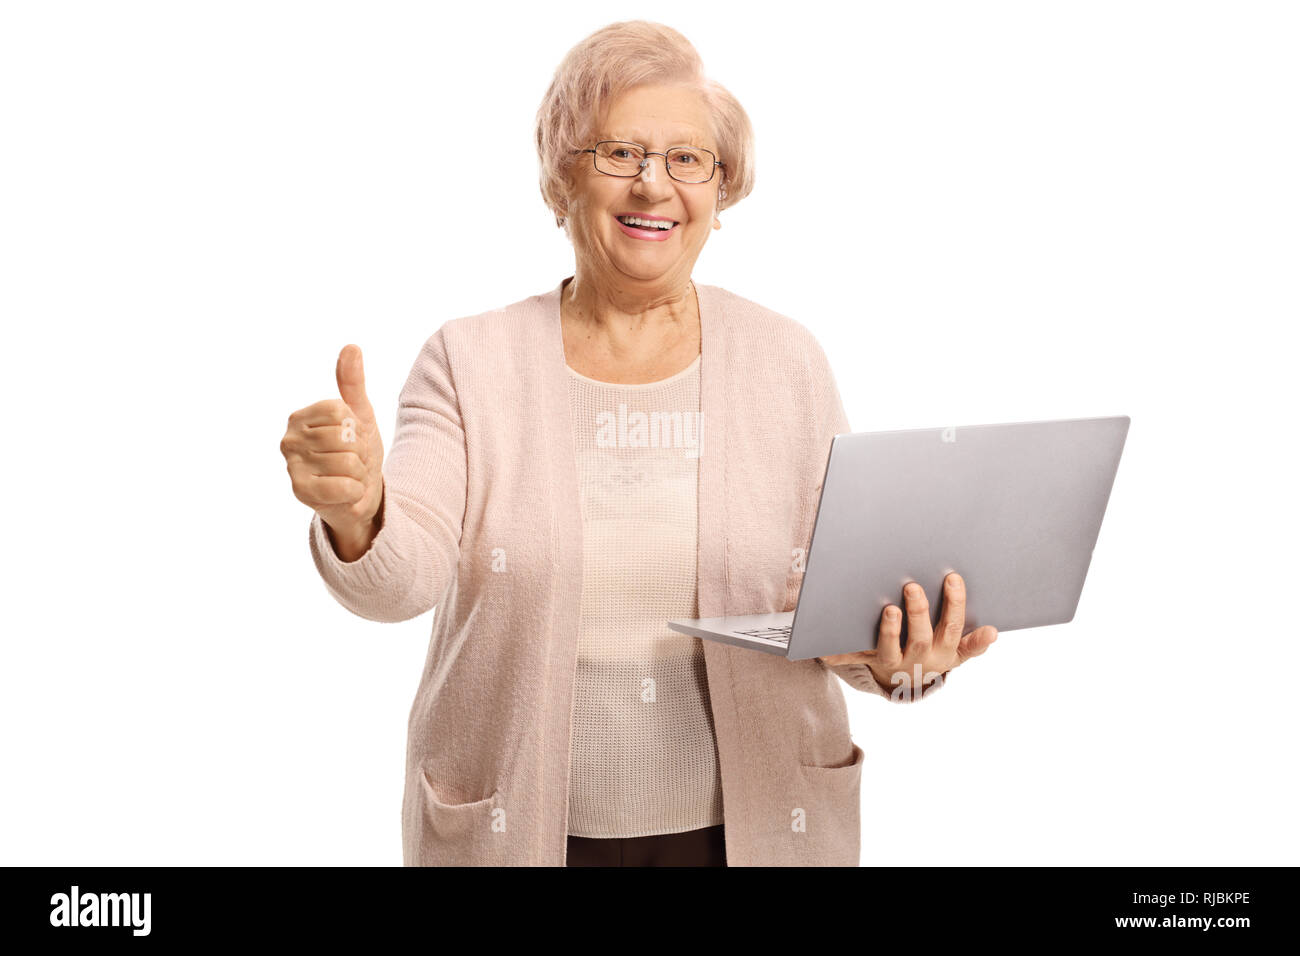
779, 634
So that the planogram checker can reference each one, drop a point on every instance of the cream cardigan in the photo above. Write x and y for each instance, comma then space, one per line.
481, 518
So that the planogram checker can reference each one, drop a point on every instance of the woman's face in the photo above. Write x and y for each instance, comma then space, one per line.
657, 118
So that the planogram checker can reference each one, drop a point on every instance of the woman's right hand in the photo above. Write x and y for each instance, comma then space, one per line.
335, 459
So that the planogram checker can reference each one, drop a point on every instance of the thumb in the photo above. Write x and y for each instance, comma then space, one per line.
352, 381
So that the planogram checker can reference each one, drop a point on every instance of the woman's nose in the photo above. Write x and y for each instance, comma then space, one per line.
653, 183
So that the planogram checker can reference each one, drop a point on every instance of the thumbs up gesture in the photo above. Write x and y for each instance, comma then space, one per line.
335, 459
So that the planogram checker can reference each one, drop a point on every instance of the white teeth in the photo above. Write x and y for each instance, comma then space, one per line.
646, 223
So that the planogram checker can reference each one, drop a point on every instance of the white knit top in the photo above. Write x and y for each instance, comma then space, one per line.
643, 759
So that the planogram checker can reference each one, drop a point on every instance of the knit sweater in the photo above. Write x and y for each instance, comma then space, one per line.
482, 518
643, 758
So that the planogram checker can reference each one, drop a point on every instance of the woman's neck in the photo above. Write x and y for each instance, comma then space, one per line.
614, 337
598, 306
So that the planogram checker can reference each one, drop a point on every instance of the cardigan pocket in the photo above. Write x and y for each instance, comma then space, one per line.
458, 834
821, 746
435, 794
831, 797
850, 772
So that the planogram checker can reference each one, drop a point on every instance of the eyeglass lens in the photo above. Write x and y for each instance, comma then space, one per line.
686, 164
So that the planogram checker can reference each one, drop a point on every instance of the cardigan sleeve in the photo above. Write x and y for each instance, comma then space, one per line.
414, 555
860, 677
831, 421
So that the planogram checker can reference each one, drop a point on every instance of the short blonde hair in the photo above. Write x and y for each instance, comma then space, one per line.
614, 59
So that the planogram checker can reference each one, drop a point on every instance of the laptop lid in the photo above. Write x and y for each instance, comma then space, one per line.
1014, 508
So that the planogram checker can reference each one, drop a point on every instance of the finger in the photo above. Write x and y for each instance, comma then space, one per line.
322, 439
352, 381
888, 650
953, 619
919, 633
329, 411
976, 642
337, 464
319, 491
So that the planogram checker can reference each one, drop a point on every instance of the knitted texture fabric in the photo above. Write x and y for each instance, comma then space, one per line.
644, 759
482, 518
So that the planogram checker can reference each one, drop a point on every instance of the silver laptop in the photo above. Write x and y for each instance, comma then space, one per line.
1014, 508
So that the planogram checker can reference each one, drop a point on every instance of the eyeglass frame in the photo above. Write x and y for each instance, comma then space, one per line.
647, 154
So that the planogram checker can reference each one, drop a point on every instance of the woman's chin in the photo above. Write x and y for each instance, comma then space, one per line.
642, 272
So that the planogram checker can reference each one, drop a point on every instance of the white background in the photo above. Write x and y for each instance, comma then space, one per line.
985, 211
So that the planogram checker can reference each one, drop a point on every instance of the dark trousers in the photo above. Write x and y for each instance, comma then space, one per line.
703, 847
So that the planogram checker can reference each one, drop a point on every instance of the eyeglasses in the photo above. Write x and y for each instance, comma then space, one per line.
686, 164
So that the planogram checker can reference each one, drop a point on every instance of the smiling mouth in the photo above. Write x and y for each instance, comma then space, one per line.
648, 225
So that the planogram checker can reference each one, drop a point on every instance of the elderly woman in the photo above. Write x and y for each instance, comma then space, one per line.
572, 470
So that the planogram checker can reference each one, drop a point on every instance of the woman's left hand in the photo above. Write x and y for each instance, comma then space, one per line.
928, 657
